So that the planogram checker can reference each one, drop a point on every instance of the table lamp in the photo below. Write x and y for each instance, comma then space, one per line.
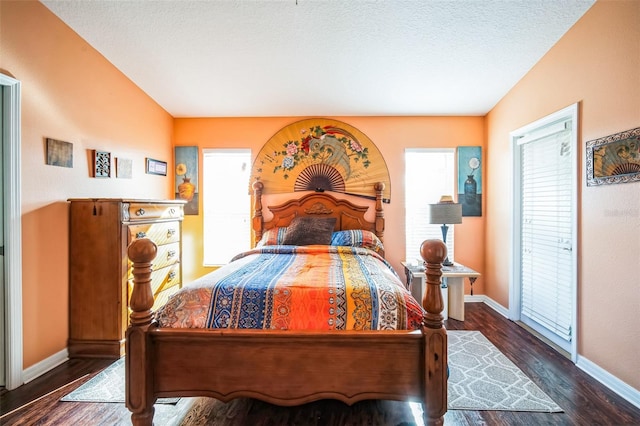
445, 212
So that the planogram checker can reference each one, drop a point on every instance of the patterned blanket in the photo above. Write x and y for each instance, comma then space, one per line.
297, 288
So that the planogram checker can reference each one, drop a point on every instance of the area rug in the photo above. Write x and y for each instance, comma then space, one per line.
480, 378
483, 378
107, 386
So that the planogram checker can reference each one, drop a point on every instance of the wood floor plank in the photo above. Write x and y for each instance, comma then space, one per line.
585, 401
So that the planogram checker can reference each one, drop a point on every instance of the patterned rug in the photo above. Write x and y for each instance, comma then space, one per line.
481, 378
107, 386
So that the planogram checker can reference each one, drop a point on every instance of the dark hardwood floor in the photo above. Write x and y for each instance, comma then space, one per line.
584, 400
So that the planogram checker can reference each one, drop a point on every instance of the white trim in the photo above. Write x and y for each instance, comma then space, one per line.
13, 231
609, 380
547, 131
489, 302
515, 231
45, 365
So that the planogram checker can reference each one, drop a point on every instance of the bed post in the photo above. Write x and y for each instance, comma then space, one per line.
379, 187
139, 381
435, 404
257, 211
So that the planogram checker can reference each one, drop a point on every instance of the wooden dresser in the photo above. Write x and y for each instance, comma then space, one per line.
100, 272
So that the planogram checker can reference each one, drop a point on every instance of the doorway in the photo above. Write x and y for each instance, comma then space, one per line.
11, 278
543, 289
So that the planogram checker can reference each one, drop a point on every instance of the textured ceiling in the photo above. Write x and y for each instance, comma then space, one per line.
223, 58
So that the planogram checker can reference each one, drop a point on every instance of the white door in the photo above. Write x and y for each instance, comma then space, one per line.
543, 291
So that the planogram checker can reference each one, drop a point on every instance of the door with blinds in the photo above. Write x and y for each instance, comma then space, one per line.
545, 218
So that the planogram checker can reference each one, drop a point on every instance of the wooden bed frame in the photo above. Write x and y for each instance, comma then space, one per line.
288, 367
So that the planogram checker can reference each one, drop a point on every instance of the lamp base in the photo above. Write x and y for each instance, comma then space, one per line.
445, 228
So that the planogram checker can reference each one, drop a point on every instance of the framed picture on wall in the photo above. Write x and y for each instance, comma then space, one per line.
101, 164
614, 158
59, 153
470, 180
124, 168
156, 167
186, 178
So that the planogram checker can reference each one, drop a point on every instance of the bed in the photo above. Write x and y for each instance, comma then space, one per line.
288, 366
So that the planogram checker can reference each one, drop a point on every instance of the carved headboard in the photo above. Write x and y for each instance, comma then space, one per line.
348, 215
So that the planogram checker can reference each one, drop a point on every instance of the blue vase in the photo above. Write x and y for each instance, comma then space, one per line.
470, 189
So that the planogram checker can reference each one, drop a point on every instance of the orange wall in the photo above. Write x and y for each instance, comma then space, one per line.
72, 93
597, 63
390, 134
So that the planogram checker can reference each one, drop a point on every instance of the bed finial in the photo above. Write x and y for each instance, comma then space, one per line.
257, 220
433, 252
379, 187
436, 373
141, 252
139, 397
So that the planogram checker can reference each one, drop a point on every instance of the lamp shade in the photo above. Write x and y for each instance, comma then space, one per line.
445, 213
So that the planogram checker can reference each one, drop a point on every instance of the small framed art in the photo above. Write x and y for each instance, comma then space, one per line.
59, 153
124, 167
101, 164
614, 158
156, 167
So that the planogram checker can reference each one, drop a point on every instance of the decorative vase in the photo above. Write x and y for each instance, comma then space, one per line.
470, 189
186, 189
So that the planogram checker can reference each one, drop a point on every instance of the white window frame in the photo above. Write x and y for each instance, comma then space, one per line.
226, 204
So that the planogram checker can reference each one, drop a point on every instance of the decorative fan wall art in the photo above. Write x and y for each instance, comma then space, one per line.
614, 159
319, 154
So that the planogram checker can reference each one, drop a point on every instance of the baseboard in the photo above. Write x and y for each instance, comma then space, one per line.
489, 302
607, 379
45, 366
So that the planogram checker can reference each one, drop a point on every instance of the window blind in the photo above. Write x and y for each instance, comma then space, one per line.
429, 174
546, 231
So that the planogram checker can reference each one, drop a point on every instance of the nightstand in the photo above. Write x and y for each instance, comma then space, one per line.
416, 283
452, 295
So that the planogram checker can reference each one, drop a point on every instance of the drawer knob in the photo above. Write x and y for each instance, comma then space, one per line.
140, 212
172, 275
172, 211
170, 254
141, 234
171, 232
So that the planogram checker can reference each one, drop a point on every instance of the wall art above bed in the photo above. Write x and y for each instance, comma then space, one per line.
320, 154
614, 158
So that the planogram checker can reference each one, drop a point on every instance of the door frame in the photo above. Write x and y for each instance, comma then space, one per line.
568, 113
11, 136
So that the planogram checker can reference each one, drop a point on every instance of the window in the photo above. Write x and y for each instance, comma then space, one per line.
429, 174
227, 204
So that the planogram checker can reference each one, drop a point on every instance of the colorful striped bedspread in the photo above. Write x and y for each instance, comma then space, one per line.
297, 288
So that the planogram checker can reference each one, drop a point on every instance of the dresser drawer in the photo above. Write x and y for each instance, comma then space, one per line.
162, 297
160, 233
162, 279
168, 254
147, 211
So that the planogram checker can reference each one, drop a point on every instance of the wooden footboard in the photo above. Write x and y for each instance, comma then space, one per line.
285, 367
